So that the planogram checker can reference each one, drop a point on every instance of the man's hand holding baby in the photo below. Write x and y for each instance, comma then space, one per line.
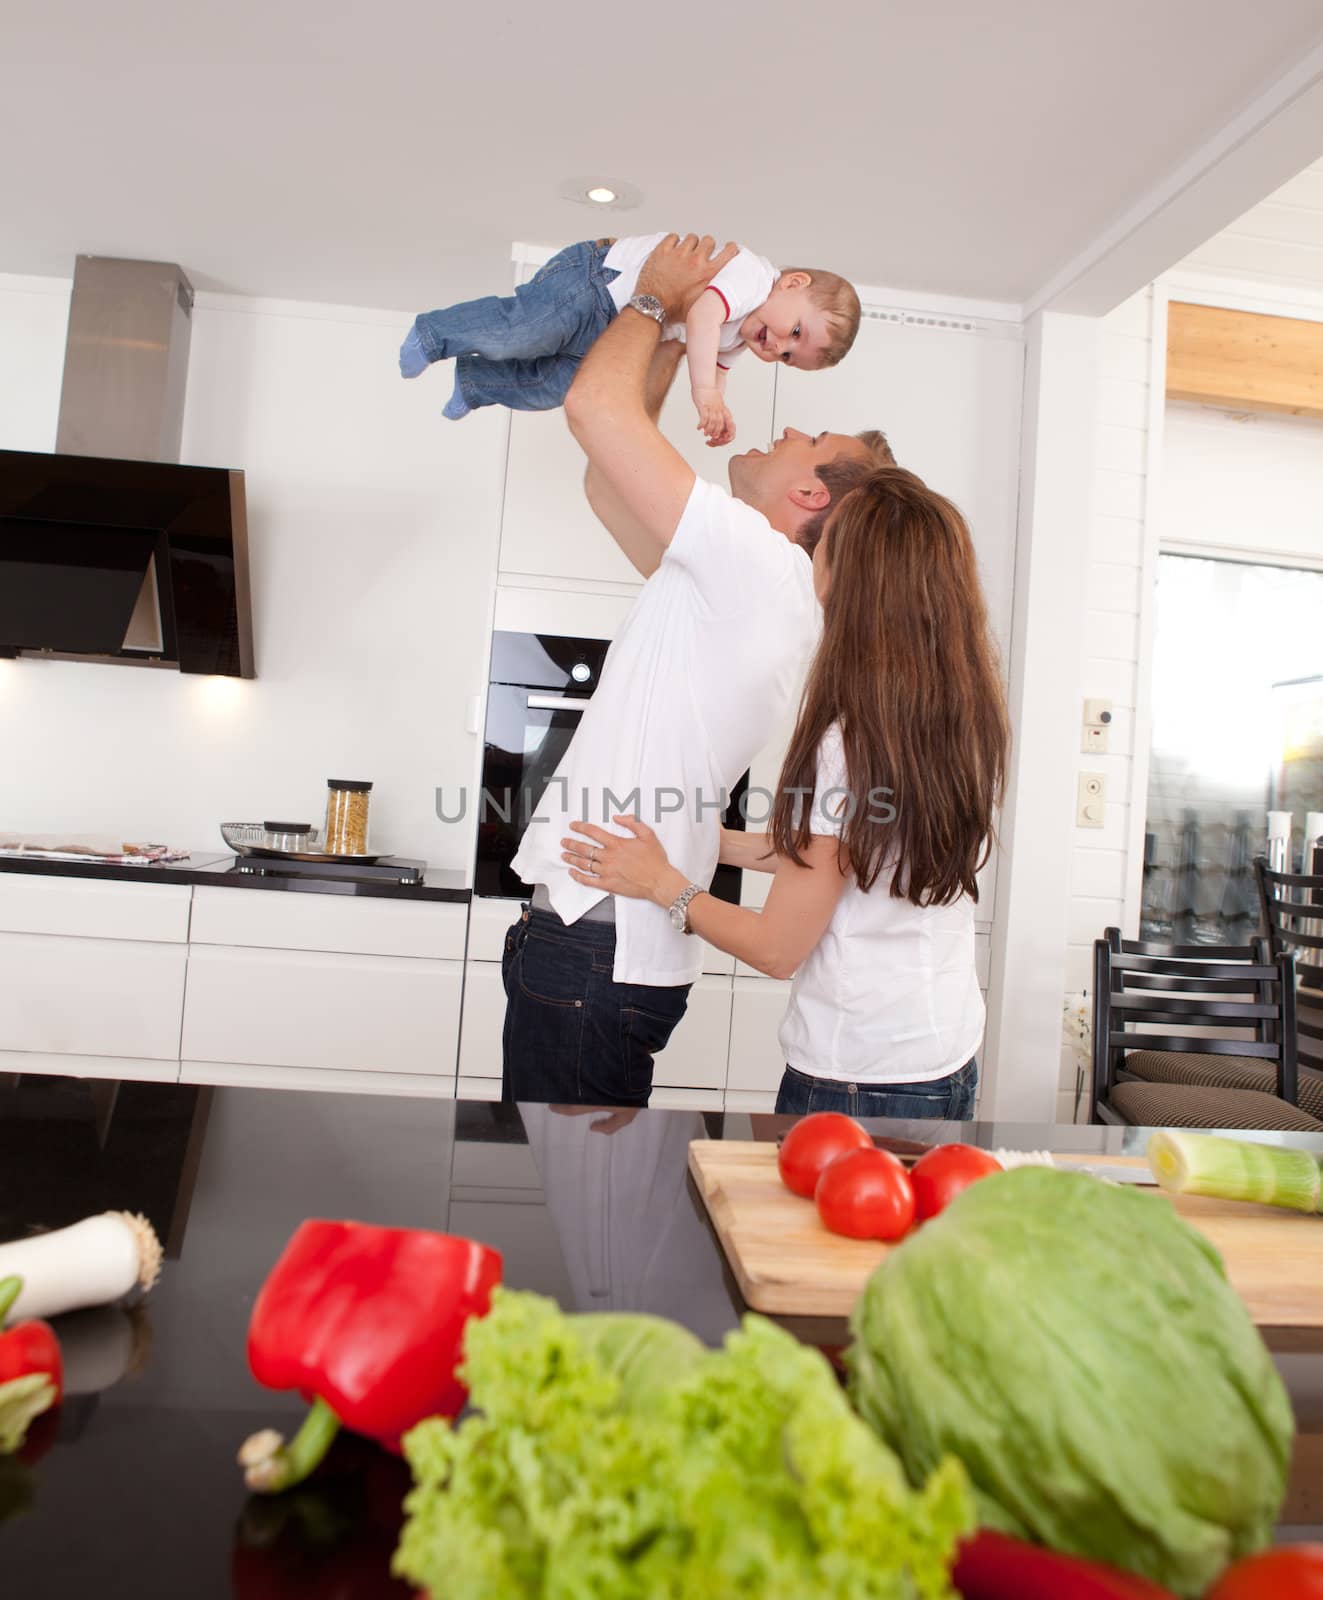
679, 270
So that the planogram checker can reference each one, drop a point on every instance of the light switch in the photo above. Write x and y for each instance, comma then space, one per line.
1092, 800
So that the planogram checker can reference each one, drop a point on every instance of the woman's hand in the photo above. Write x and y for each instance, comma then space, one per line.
637, 868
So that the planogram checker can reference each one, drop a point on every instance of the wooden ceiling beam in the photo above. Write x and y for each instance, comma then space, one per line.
1244, 361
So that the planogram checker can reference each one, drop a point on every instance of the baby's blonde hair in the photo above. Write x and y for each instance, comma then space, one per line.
834, 295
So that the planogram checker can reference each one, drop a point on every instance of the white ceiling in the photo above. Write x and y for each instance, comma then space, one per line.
1279, 242
387, 154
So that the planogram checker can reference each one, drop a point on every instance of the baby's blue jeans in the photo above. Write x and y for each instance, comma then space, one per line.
521, 350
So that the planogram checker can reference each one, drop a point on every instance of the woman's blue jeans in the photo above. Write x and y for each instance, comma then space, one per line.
949, 1099
522, 350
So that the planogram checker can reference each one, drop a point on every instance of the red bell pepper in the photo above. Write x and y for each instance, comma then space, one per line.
993, 1566
367, 1324
31, 1371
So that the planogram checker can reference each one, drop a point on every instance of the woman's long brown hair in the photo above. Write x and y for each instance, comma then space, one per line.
907, 667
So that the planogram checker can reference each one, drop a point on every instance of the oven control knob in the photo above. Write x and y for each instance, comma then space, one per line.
581, 672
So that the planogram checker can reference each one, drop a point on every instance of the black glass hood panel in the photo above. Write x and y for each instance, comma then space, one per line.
69, 588
76, 536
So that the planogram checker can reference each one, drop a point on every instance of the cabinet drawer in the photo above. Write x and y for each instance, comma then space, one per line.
94, 997
343, 923
286, 1008
89, 908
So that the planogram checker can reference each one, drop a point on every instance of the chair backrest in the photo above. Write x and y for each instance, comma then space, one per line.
1176, 966
1292, 905
1150, 997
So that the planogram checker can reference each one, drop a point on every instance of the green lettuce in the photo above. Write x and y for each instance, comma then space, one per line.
1079, 1348
612, 1456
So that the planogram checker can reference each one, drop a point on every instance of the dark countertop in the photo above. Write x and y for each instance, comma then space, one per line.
223, 871
137, 1494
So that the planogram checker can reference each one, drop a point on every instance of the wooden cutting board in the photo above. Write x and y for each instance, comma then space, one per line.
786, 1262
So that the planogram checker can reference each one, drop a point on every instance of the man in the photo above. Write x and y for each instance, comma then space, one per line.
701, 673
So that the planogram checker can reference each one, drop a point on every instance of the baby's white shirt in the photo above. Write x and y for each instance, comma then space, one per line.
743, 284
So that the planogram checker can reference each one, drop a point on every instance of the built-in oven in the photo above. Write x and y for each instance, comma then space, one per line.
538, 688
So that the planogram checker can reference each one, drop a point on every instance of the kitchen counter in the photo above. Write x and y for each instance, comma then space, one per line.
136, 1493
224, 871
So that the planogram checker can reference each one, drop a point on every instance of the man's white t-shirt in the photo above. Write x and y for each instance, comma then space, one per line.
890, 992
704, 669
744, 283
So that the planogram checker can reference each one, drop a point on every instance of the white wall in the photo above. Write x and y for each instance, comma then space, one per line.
1242, 481
373, 529
1169, 476
1115, 581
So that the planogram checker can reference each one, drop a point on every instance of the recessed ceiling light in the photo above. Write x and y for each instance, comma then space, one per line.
601, 193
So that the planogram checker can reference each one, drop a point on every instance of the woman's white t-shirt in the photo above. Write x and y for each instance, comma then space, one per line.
890, 992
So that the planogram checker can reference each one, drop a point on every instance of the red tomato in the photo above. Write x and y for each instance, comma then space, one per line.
939, 1176
1294, 1572
812, 1144
866, 1194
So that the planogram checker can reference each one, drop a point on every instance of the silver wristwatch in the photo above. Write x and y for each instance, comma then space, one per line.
650, 306
680, 908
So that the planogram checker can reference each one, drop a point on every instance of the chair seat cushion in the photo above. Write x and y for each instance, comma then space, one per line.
1197, 1070
1179, 1105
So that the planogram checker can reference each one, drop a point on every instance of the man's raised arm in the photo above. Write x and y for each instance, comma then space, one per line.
625, 528
637, 482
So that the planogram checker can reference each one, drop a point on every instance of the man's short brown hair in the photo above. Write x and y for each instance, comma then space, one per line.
836, 296
842, 475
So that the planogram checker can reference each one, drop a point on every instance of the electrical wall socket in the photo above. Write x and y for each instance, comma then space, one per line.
1092, 800
1097, 721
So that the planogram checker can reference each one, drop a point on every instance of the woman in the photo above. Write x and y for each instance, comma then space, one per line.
900, 753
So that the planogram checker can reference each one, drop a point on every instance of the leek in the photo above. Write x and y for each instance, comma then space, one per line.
1235, 1169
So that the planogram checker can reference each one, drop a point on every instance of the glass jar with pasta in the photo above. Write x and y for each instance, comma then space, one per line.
346, 832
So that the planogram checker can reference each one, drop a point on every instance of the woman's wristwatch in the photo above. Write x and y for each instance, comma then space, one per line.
679, 912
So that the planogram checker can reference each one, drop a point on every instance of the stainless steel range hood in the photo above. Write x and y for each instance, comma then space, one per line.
99, 558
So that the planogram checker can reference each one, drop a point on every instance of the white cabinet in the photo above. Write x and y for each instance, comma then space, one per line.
295, 1008
91, 975
483, 1021
756, 1061
89, 908
948, 400
547, 527
696, 1054
91, 997
350, 924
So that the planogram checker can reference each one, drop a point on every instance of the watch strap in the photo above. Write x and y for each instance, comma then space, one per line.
680, 905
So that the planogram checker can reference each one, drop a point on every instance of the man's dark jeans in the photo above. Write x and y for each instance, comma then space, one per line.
574, 1036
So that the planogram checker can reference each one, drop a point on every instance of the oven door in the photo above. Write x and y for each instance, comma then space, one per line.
528, 733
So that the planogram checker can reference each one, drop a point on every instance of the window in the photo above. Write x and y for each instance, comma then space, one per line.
1237, 732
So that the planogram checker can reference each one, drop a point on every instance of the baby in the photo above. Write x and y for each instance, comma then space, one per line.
522, 351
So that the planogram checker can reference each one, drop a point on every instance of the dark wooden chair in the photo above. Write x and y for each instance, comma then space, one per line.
1154, 1061
1292, 904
